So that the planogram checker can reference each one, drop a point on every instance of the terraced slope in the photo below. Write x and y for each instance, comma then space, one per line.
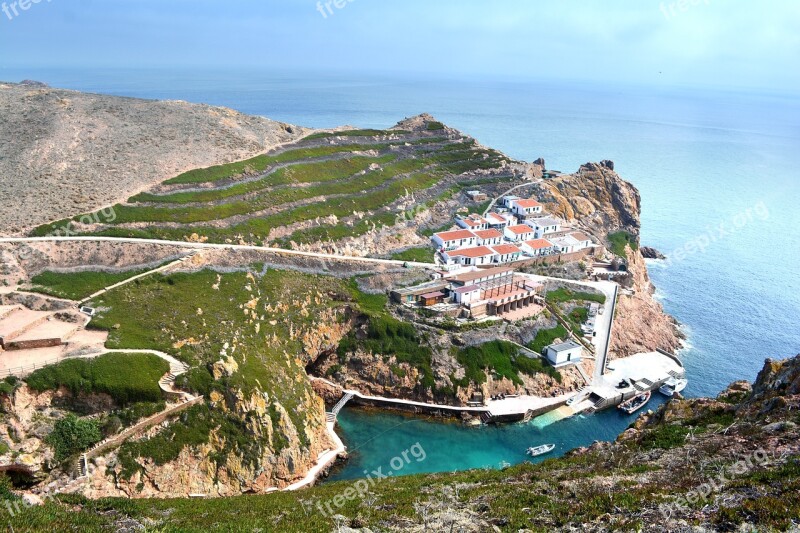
325, 187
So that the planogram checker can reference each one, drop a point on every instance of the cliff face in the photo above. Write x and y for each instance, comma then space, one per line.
602, 202
67, 152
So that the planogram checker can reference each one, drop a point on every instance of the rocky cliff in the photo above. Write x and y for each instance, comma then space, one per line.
602, 202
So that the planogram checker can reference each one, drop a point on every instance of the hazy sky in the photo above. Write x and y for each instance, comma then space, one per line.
723, 42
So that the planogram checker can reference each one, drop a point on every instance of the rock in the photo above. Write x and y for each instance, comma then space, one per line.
34, 83
226, 367
777, 427
651, 253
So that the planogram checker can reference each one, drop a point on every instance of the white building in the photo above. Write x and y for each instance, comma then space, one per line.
467, 294
566, 244
519, 233
488, 237
472, 222
544, 226
450, 240
538, 247
506, 201
500, 221
475, 256
566, 353
506, 253
525, 208
584, 241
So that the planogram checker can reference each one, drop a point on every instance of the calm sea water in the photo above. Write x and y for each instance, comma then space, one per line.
718, 173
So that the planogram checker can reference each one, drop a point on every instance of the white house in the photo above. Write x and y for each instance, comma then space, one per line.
518, 233
538, 247
475, 256
566, 244
584, 241
506, 201
467, 294
488, 237
566, 353
506, 253
450, 240
499, 221
472, 222
525, 208
544, 226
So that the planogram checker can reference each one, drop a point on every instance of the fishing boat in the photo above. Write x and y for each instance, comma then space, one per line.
536, 451
635, 403
672, 386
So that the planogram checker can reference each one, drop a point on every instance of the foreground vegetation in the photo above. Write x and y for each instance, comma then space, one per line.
653, 479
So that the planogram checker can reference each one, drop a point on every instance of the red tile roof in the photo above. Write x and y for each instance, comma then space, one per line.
455, 235
520, 229
538, 244
477, 251
488, 234
527, 203
504, 249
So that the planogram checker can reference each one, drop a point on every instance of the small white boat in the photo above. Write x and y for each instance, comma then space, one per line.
635, 403
672, 386
536, 451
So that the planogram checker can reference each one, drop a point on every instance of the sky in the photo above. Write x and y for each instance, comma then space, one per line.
732, 43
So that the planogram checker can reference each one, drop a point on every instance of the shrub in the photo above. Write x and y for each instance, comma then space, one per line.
618, 241
127, 378
546, 337
72, 435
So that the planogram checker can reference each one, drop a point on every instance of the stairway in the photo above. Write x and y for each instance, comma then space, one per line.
338, 407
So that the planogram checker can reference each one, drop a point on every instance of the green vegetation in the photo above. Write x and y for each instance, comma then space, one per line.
77, 285
546, 337
279, 197
262, 162
353, 133
434, 126
619, 240
8, 385
72, 435
391, 337
193, 428
423, 254
563, 295
127, 378
502, 358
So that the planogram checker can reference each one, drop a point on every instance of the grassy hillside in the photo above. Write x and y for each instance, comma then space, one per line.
325, 187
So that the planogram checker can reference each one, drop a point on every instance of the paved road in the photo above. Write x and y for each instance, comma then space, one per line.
205, 246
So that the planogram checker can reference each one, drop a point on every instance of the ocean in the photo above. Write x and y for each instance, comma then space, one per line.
717, 171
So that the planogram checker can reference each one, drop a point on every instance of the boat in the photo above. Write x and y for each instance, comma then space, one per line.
672, 386
635, 403
536, 451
